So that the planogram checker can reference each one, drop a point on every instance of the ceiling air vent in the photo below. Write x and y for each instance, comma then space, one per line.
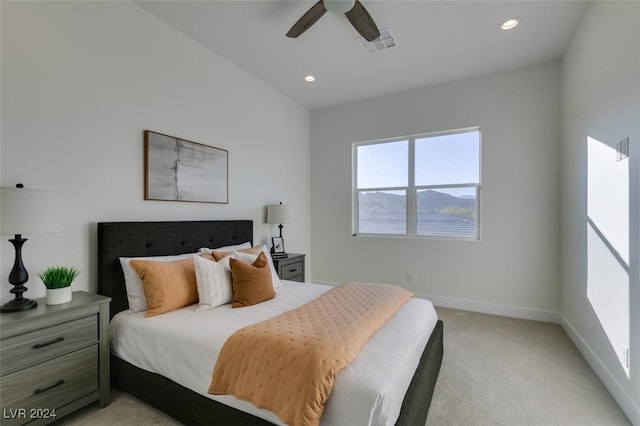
384, 42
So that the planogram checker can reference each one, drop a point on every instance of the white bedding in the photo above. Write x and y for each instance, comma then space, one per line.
184, 345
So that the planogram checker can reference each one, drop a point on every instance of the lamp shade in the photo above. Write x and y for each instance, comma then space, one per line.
279, 213
28, 211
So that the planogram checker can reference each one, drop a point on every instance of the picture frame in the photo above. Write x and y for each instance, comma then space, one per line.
277, 246
176, 169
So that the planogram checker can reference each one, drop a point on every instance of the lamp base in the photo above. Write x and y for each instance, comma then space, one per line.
17, 278
17, 305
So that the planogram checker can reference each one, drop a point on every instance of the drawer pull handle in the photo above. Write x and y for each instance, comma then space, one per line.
55, 385
292, 270
50, 342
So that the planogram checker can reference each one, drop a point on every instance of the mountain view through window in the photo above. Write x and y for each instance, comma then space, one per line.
419, 186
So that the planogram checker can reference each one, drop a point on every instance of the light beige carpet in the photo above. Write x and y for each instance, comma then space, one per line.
507, 371
496, 371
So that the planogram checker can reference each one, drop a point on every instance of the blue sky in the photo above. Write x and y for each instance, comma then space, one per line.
447, 159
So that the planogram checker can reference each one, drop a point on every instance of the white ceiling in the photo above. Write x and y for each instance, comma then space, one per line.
437, 42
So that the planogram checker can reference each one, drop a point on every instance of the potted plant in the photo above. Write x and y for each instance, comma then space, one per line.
58, 281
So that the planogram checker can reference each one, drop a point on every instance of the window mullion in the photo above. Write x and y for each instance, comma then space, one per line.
478, 210
411, 190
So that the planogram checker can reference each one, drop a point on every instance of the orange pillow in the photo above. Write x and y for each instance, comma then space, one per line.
167, 285
251, 282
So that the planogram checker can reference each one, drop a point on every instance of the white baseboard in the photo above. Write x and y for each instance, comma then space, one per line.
493, 308
627, 405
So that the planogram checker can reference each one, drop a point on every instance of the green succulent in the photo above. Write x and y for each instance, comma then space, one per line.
58, 276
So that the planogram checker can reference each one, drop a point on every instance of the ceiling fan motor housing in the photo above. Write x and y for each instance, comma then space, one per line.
339, 6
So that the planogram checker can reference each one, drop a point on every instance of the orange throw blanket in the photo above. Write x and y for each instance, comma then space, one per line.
287, 364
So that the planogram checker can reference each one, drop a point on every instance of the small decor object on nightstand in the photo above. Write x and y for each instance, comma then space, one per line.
278, 248
58, 281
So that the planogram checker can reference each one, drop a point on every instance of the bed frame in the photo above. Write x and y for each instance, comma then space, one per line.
133, 239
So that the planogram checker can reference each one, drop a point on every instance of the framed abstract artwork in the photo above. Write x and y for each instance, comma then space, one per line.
180, 170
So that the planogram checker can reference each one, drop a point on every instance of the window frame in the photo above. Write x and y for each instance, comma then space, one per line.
412, 190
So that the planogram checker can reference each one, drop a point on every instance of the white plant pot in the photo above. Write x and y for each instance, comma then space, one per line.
56, 296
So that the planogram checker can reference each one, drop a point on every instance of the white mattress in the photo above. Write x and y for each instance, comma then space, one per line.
184, 345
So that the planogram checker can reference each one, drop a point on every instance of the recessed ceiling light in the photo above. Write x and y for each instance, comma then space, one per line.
309, 78
509, 24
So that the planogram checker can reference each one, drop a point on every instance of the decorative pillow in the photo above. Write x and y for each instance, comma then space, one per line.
167, 285
135, 292
207, 255
251, 282
218, 255
214, 279
226, 248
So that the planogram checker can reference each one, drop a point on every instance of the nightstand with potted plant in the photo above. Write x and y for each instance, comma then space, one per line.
54, 352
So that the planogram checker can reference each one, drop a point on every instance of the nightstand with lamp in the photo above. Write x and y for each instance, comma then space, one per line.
289, 266
55, 359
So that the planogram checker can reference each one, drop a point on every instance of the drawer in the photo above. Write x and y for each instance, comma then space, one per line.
293, 270
40, 345
50, 385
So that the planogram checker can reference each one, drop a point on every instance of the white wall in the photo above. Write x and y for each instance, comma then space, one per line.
514, 269
600, 284
80, 83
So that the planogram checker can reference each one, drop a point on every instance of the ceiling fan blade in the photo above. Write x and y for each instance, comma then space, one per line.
307, 20
363, 22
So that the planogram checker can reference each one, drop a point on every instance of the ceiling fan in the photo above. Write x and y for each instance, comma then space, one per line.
353, 9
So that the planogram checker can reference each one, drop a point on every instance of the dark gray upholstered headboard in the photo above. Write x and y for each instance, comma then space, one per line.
134, 239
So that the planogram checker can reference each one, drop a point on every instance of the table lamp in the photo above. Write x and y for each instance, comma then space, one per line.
279, 214
25, 211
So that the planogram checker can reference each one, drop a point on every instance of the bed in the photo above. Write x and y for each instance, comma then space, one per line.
133, 239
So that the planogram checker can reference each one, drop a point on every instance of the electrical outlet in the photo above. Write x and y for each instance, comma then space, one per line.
622, 149
409, 278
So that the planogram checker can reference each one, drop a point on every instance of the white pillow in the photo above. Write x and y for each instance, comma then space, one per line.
215, 285
227, 248
274, 275
133, 284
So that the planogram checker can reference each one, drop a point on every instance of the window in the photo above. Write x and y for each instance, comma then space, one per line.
427, 185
